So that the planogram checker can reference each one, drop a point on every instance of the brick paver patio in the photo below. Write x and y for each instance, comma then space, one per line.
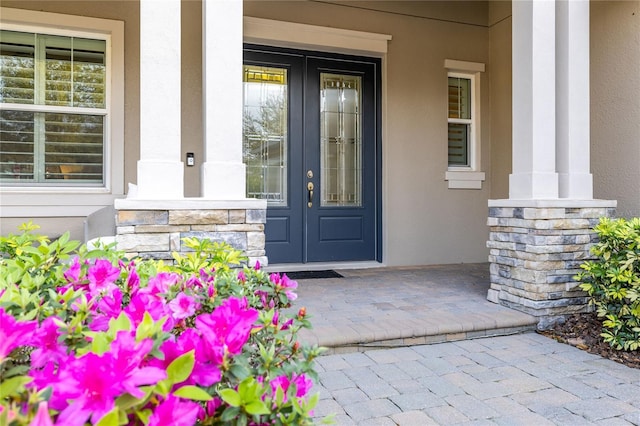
490, 366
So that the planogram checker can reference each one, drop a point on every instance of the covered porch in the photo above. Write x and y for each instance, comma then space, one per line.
539, 233
404, 306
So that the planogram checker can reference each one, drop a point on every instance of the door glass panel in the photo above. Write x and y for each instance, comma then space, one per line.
340, 140
265, 133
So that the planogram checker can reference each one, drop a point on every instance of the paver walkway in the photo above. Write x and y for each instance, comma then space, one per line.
524, 379
471, 379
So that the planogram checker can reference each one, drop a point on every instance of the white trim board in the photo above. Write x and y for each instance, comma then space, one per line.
313, 37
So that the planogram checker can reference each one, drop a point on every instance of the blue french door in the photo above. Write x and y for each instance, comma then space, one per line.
311, 137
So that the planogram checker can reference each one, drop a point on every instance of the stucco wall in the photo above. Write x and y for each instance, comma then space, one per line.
128, 12
615, 103
500, 95
424, 221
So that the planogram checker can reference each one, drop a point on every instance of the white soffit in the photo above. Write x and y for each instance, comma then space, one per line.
290, 34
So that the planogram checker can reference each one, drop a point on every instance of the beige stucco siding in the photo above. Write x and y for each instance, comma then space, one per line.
424, 222
128, 12
500, 96
615, 103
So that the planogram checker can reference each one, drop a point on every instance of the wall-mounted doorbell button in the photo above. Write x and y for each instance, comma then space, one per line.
191, 161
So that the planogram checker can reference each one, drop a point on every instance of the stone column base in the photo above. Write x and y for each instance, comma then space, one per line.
536, 248
155, 229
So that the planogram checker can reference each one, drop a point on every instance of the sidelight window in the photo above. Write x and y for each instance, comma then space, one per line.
265, 133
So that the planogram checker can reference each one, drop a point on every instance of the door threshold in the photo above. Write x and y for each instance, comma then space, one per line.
319, 266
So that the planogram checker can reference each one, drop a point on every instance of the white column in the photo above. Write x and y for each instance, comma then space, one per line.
534, 153
223, 173
572, 89
160, 171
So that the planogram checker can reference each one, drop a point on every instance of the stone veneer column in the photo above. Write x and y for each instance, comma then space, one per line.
160, 169
544, 231
152, 221
535, 250
154, 229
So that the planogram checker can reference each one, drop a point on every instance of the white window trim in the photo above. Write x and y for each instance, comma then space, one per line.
468, 177
35, 201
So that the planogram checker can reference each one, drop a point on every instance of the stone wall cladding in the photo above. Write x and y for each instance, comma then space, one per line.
534, 253
155, 234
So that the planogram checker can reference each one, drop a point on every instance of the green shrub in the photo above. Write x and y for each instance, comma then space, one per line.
91, 336
613, 281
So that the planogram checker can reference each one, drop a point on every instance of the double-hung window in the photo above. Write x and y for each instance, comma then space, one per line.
460, 118
61, 113
53, 99
463, 125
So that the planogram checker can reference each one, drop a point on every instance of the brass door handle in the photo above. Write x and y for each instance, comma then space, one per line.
310, 190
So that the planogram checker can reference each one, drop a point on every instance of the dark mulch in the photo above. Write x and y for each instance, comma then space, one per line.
583, 331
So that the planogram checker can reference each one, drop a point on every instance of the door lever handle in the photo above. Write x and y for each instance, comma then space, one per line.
310, 190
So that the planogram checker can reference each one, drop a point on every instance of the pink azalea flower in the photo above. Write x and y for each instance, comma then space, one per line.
267, 304
242, 277
205, 372
174, 411
109, 306
183, 306
14, 333
46, 341
193, 282
145, 302
47, 376
86, 388
227, 328
133, 281
129, 356
72, 274
161, 283
284, 283
301, 382
257, 265
207, 277
276, 320
209, 409
102, 276
42, 417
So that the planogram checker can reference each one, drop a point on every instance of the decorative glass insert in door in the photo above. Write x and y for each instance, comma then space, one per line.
341, 140
265, 133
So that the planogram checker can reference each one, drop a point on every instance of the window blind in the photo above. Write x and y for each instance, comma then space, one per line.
459, 115
41, 145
